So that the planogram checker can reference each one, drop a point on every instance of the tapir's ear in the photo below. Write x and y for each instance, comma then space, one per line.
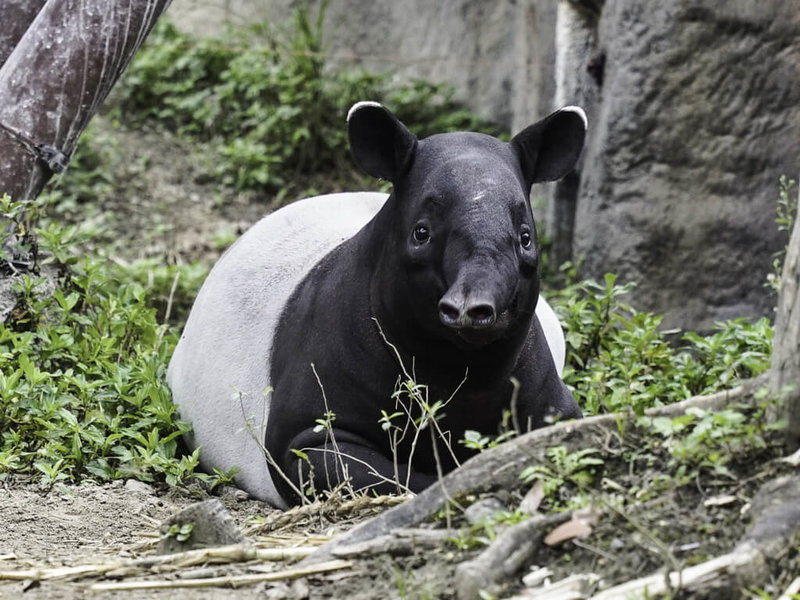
549, 149
380, 143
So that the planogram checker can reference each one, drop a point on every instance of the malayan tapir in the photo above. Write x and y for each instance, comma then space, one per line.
306, 326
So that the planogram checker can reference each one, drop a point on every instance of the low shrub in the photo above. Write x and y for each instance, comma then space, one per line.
82, 367
267, 102
618, 358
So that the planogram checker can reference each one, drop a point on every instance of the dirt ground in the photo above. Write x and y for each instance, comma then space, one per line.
85, 524
650, 518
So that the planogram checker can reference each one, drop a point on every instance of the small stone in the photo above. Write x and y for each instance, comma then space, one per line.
138, 487
483, 508
536, 577
201, 525
234, 493
617, 544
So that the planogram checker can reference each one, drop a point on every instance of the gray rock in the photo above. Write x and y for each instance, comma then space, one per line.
697, 118
139, 487
482, 509
694, 114
201, 525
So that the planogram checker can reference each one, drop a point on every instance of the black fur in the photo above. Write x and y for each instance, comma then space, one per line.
458, 307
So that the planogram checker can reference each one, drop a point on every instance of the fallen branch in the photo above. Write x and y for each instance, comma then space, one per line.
400, 542
230, 581
791, 591
505, 556
656, 584
500, 467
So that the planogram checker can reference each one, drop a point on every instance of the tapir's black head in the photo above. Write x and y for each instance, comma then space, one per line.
462, 241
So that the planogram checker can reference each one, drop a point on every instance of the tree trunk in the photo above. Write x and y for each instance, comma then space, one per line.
17, 17
785, 372
57, 76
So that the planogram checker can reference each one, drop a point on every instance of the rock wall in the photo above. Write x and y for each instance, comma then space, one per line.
497, 55
697, 118
694, 113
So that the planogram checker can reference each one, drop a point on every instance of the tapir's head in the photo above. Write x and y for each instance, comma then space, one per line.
461, 235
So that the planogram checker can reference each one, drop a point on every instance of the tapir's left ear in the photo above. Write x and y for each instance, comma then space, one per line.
381, 145
549, 149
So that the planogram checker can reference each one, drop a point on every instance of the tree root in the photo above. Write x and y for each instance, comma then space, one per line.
505, 556
774, 532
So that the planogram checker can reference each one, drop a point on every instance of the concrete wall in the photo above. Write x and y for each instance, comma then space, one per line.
498, 55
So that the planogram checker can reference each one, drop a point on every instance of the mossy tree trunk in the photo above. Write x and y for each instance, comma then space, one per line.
67, 55
17, 17
785, 372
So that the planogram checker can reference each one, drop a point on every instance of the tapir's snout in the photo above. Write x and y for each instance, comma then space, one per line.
480, 294
472, 312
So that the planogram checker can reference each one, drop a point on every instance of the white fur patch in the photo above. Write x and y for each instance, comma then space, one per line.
219, 373
552, 333
359, 105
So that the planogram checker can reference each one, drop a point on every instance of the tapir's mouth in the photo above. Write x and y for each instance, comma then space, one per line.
484, 334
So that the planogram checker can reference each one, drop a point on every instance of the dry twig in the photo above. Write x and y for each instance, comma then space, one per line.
333, 507
230, 581
179, 560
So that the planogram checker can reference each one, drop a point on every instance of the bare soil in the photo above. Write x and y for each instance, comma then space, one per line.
652, 517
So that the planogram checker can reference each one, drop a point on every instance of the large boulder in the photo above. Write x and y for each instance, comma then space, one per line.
696, 118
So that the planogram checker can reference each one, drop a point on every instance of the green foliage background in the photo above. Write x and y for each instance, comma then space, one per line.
82, 391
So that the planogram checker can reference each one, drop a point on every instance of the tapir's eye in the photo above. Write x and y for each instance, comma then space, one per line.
525, 239
421, 234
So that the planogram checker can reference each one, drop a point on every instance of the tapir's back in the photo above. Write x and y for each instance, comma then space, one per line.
220, 369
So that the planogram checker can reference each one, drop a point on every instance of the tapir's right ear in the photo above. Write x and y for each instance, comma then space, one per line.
381, 145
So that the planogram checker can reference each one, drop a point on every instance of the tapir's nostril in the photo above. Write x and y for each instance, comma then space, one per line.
481, 314
476, 316
448, 313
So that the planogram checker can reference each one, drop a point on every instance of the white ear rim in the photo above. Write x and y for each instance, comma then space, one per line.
359, 105
577, 110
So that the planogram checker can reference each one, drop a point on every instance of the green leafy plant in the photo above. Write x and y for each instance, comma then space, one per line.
701, 439
484, 531
786, 216
477, 441
579, 468
268, 104
618, 358
82, 389
180, 532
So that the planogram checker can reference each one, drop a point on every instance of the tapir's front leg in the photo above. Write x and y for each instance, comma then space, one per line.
342, 457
